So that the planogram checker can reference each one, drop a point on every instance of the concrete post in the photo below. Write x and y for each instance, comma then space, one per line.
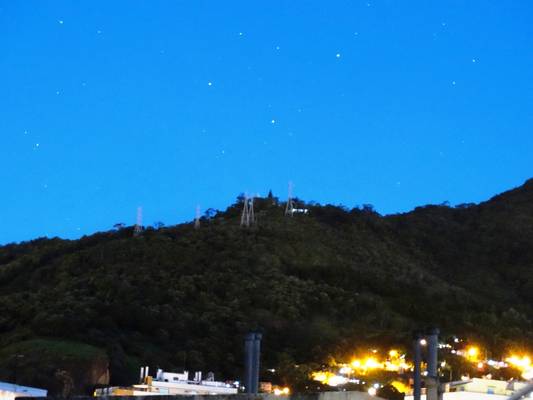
248, 361
432, 379
256, 363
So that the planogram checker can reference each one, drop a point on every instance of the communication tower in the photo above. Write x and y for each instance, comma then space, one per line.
289, 208
137, 230
247, 216
197, 218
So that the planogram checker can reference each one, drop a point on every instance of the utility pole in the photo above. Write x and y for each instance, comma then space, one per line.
417, 360
432, 379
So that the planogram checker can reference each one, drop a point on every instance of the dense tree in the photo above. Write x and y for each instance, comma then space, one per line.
318, 285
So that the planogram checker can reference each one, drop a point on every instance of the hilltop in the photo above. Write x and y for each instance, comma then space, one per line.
317, 284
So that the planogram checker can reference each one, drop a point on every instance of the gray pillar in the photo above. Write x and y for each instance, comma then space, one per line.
248, 361
256, 362
432, 381
417, 360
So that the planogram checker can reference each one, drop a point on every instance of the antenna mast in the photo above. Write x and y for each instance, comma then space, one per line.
197, 219
247, 216
251, 210
137, 230
289, 208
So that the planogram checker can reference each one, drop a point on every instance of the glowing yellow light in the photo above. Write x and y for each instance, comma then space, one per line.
400, 386
473, 352
371, 363
281, 391
423, 342
394, 362
523, 364
329, 378
321, 377
372, 391
345, 370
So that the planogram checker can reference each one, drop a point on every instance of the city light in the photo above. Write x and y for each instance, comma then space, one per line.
373, 361
282, 391
345, 370
473, 352
329, 378
401, 386
523, 364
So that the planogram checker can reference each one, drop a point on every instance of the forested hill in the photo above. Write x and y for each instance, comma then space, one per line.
317, 284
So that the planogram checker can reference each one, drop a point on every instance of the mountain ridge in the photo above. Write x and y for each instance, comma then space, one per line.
318, 285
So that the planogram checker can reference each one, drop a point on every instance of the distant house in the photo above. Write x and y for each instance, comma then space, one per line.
8, 391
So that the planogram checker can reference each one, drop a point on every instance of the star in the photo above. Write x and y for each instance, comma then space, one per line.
273, 121
473, 60
57, 92
453, 83
98, 31
338, 55
60, 22
209, 83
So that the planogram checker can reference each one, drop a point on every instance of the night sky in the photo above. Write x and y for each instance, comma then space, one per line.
110, 105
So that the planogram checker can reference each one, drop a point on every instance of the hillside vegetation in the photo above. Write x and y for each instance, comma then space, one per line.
317, 285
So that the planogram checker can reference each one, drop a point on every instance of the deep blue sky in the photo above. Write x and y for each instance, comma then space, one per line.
107, 105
